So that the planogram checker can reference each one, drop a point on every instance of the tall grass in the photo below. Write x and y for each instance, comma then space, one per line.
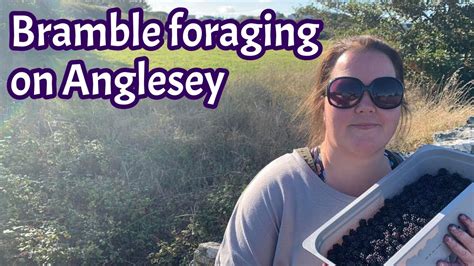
434, 107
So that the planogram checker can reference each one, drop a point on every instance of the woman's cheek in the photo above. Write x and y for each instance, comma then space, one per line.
392, 120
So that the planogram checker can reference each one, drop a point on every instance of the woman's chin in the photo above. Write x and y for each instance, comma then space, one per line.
367, 147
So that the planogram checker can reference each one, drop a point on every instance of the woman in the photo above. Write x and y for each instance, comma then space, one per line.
353, 113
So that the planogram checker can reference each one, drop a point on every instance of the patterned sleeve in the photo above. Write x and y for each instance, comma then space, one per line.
405, 155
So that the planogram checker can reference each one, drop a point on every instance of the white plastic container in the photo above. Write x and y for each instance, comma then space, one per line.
426, 247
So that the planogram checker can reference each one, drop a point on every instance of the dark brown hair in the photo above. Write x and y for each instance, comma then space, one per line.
313, 107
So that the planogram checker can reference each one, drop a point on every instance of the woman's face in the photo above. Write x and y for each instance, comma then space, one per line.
343, 126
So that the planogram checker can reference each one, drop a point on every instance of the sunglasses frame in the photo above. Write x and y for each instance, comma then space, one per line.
368, 88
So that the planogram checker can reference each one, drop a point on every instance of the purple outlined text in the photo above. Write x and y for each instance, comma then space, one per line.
124, 87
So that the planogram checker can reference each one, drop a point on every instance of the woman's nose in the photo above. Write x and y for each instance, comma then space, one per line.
365, 104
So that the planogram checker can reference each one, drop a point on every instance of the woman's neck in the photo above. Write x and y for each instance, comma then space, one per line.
352, 173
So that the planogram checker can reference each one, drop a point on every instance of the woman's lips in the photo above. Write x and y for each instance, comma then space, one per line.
365, 126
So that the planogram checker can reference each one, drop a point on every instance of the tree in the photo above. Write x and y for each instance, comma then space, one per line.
334, 21
435, 37
125, 5
440, 38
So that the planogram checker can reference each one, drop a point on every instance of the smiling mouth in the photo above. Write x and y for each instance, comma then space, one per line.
365, 126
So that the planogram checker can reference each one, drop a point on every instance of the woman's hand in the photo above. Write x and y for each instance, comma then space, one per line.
465, 252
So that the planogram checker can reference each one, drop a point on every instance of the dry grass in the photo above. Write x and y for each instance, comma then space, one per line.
433, 112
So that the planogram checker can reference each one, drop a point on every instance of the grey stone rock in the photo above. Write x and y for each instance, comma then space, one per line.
470, 121
205, 254
461, 138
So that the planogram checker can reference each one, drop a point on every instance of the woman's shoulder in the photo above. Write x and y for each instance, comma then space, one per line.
282, 173
280, 164
281, 167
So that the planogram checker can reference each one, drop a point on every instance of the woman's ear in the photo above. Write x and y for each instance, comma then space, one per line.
324, 112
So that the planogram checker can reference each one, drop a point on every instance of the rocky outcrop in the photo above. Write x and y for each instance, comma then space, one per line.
205, 254
461, 138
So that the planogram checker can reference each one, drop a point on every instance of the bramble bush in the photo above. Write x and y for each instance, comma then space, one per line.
90, 184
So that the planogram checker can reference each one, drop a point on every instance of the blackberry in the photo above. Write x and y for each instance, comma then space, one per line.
370, 259
396, 235
403, 239
380, 259
390, 251
406, 217
345, 239
442, 172
381, 236
352, 232
378, 248
337, 248
421, 221
379, 228
411, 230
370, 222
397, 220
395, 243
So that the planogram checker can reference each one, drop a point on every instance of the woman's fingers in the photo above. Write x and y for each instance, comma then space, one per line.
463, 254
469, 223
461, 243
463, 237
445, 263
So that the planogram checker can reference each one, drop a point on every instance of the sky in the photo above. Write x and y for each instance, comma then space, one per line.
227, 8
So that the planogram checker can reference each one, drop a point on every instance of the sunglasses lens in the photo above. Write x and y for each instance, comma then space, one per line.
387, 92
344, 92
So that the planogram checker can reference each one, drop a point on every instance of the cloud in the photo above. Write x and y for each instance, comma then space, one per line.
226, 9
264, 1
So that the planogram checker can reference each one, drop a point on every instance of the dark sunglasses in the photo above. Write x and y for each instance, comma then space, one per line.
347, 92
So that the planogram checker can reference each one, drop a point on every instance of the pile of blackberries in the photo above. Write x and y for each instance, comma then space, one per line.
401, 217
